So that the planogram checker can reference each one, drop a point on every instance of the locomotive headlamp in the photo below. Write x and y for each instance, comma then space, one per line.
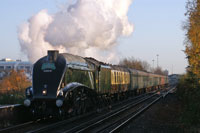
27, 102
44, 92
59, 103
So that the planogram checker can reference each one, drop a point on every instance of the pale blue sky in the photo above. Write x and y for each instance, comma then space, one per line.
157, 30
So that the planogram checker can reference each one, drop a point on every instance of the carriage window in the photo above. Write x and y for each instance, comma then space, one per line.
115, 77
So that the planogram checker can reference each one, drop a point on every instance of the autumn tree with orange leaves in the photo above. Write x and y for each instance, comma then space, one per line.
15, 80
192, 28
188, 88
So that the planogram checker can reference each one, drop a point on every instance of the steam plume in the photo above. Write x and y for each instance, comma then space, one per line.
86, 28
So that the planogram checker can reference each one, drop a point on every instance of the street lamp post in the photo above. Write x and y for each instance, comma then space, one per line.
153, 64
157, 60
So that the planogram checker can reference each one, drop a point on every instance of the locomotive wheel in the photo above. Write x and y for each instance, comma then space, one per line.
76, 103
79, 101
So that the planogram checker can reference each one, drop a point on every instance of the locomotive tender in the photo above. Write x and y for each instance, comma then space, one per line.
65, 83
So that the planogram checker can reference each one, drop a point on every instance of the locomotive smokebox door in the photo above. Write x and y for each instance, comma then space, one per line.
52, 55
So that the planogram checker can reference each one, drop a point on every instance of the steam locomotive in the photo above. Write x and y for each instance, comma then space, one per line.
65, 84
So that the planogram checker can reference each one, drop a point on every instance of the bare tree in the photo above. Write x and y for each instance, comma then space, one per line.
131, 62
159, 70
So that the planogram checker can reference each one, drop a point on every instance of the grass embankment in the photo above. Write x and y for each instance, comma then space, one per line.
188, 91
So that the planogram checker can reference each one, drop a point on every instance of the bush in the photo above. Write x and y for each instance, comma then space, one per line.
12, 97
188, 90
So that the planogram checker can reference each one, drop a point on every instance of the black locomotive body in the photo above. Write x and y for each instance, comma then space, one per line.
68, 84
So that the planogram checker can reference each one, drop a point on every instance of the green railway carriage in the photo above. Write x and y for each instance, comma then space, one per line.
105, 79
112, 79
133, 79
155, 80
151, 79
102, 76
142, 79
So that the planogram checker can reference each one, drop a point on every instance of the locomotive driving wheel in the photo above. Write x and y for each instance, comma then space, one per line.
79, 101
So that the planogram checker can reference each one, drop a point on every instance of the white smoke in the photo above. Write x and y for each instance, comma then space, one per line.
86, 28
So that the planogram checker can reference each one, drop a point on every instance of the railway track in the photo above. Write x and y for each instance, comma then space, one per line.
13, 128
51, 125
109, 120
122, 122
105, 121
41, 125
23, 127
78, 124
114, 121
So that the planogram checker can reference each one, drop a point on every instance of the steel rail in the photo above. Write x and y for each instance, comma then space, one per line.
135, 115
12, 128
89, 124
139, 112
60, 123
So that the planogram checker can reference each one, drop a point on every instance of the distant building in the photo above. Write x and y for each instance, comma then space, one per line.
166, 72
174, 78
6, 59
9, 64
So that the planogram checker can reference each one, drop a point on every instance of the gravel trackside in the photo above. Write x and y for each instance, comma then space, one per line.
162, 117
